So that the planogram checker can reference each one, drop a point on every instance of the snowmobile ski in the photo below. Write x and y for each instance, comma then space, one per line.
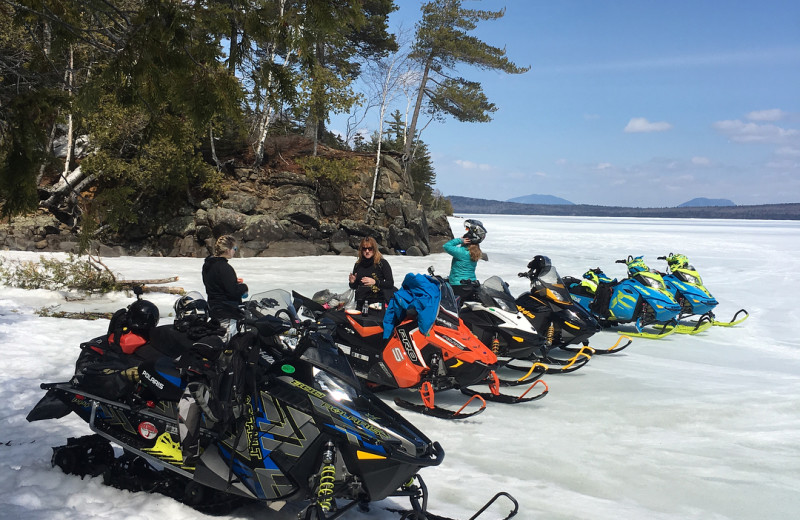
428, 406
552, 365
423, 514
734, 320
494, 394
601, 352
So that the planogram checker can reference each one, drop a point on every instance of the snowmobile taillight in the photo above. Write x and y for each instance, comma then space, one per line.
78, 396
150, 404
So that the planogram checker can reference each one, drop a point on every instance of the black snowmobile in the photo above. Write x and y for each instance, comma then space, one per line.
293, 423
501, 323
551, 309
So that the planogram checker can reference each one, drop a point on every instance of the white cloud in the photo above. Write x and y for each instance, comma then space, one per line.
604, 166
701, 161
561, 162
789, 151
540, 174
641, 124
742, 132
469, 165
773, 114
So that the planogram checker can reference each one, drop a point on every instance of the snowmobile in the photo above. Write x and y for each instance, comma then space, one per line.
641, 299
429, 350
495, 318
550, 308
686, 286
299, 425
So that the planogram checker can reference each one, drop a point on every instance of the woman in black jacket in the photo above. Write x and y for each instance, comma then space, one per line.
372, 276
223, 289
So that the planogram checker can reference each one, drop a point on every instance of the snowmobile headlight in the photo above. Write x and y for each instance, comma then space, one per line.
504, 305
333, 386
691, 279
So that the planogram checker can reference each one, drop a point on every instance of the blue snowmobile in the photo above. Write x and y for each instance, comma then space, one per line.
641, 299
686, 286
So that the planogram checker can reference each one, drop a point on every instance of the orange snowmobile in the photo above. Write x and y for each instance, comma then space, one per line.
420, 343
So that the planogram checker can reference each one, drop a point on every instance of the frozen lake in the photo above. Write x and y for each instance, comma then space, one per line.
687, 427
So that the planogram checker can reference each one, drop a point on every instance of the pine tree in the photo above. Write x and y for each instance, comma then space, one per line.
442, 44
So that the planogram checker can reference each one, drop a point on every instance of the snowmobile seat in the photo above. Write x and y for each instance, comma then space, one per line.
169, 341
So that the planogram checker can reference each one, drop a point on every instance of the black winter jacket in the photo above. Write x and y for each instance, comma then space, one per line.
223, 290
383, 289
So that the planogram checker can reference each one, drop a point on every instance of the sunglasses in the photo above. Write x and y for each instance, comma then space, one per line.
366, 248
235, 249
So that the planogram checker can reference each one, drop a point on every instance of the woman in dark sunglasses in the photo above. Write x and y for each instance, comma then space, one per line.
371, 277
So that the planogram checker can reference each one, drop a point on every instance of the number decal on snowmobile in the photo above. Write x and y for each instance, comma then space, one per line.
398, 354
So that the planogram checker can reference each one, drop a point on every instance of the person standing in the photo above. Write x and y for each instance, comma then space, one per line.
465, 252
223, 289
371, 277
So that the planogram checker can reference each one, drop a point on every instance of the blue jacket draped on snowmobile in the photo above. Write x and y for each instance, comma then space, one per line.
420, 292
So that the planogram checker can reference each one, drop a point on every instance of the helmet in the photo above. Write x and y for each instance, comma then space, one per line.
637, 265
142, 316
539, 264
475, 231
191, 306
678, 261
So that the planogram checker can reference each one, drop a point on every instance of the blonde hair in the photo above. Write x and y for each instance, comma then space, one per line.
475, 252
370, 242
223, 244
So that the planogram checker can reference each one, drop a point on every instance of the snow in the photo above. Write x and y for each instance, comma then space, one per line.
687, 427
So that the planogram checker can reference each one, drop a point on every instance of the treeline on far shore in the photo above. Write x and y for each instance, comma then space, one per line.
789, 211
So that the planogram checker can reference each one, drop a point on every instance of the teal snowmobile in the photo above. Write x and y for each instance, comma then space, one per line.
287, 421
686, 286
641, 300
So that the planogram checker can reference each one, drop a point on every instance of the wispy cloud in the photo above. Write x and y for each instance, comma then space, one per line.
469, 165
701, 161
742, 132
788, 151
604, 166
773, 114
642, 125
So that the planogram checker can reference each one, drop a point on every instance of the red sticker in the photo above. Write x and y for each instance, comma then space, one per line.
148, 430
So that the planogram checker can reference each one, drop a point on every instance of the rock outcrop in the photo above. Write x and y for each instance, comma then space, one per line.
271, 213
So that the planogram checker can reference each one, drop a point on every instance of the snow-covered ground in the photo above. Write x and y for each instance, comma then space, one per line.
688, 427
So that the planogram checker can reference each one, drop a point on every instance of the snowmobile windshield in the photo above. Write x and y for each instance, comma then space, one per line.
494, 292
550, 285
448, 307
276, 302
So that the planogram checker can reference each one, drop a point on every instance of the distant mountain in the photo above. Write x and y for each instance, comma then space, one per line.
539, 199
702, 201
466, 205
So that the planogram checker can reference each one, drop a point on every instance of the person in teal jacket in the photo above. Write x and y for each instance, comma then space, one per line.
465, 252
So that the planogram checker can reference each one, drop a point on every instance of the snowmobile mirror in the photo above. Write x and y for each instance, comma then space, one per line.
138, 290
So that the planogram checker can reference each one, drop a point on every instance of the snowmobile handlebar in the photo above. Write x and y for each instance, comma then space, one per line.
620, 261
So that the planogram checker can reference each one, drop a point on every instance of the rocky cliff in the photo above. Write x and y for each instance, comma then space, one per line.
272, 212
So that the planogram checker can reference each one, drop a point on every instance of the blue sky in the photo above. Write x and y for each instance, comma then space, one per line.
633, 103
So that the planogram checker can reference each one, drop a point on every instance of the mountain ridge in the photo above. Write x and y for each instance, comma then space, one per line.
786, 211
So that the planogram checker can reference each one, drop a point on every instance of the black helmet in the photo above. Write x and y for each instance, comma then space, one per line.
475, 231
191, 306
539, 264
142, 316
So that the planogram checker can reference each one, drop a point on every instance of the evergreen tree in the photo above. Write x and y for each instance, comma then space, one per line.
443, 42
